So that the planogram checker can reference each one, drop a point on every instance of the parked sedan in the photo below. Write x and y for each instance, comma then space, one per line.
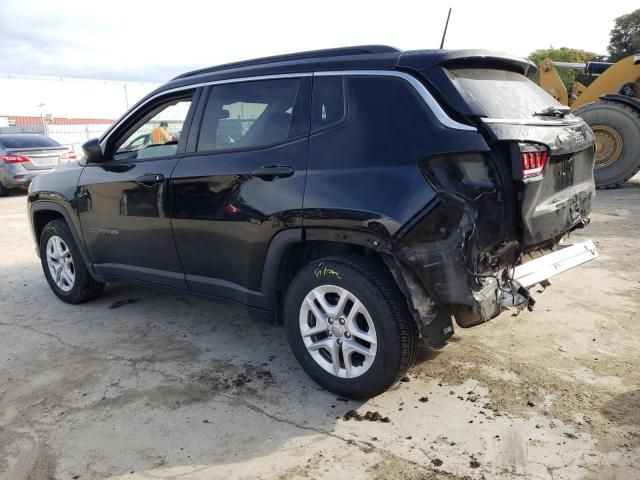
24, 156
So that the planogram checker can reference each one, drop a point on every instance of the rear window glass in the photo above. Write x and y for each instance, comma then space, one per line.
500, 93
27, 141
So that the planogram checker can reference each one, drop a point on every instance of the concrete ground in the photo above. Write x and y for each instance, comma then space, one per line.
142, 384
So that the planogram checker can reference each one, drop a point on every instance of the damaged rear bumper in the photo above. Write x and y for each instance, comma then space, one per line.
505, 289
512, 291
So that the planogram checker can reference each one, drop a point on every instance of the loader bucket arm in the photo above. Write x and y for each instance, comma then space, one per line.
551, 82
611, 81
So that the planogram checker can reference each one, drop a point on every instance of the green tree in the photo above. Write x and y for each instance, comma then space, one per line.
564, 54
624, 39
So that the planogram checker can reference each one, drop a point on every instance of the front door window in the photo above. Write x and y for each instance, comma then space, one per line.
157, 135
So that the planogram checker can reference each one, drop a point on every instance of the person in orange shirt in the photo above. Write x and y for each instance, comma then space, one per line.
159, 135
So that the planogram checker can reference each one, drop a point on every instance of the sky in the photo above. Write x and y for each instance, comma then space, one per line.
152, 41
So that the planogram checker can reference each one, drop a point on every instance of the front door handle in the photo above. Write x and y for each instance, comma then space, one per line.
150, 179
271, 172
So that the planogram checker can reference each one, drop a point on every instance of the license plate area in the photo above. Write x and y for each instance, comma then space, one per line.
44, 161
563, 171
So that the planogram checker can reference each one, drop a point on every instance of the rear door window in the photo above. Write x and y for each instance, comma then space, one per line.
251, 114
500, 93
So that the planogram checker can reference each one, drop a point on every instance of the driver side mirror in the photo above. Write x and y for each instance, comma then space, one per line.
93, 151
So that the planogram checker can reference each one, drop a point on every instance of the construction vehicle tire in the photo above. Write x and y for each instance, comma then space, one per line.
617, 131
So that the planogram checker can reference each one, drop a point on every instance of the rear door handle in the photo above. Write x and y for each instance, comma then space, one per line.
150, 179
271, 172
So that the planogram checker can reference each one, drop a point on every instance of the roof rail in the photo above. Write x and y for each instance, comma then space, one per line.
330, 52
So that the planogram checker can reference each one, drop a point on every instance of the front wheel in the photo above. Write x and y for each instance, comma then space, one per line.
63, 266
349, 326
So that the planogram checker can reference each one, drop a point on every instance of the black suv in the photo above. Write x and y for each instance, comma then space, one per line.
363, 196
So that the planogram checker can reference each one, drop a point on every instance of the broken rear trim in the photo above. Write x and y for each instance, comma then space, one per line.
552, 264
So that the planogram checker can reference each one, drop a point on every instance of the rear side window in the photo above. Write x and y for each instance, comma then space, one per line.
328, 101
251, 114
27, 141
500, 93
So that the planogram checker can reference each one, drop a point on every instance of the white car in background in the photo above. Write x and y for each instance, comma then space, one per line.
24, 156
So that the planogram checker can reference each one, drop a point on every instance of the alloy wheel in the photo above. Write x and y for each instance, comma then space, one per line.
60, 263
338, 331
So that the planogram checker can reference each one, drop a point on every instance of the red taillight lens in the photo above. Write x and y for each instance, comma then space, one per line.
68, 156
231, 209
533, 159
13, 158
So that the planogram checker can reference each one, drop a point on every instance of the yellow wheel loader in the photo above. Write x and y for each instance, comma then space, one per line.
611, 107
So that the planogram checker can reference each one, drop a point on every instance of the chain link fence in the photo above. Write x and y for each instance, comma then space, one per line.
75, 135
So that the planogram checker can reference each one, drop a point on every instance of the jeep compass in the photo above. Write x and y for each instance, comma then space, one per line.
365, 197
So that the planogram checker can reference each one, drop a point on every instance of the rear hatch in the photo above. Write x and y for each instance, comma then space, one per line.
40, 158
557, 195
548, 151
32, 151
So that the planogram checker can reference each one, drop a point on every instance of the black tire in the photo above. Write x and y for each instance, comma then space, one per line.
85, 287
626, 122
4, 191
373, 286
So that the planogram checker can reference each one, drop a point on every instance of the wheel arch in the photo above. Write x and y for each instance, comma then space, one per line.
291, 249
42, 212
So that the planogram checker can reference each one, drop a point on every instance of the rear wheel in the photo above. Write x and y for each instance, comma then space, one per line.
617, 131
4, 191
349, 327
64, 267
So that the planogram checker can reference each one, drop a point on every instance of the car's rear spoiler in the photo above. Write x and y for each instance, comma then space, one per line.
417, 60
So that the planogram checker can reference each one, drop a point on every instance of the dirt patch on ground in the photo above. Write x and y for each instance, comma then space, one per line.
522, 382
400, 469
223, 377
597, 410
368, 416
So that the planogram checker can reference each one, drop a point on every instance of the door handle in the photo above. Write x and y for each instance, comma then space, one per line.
150, 179
271, 172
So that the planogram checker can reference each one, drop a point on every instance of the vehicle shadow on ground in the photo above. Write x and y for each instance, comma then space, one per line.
16, 192
426, 354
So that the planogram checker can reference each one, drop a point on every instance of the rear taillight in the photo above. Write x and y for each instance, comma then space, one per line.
68, 156
13, 158
533, 159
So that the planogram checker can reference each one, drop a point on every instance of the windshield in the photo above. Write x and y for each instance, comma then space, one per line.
27, 141
500, 93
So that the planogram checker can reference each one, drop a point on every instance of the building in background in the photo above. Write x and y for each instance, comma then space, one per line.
69, 110
72, 132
